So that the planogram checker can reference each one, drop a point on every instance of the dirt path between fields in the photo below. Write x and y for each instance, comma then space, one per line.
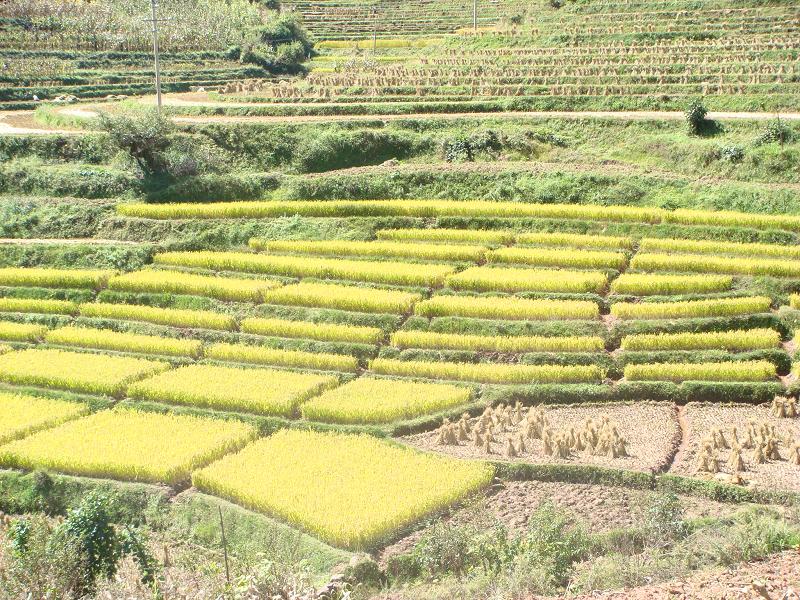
21, 122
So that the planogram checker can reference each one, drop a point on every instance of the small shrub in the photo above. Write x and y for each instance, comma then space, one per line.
457, 150
664, 520
731, 153
696, 117
775, 131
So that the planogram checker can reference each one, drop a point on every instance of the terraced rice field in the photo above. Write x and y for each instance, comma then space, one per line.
341, 332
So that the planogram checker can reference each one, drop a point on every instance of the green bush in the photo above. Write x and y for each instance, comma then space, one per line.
145, 138
695, 115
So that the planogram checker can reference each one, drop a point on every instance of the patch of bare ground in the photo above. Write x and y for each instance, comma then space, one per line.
701, 418
598, 507
774, 578
650, 430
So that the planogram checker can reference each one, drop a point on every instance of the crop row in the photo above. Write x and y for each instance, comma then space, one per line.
389, 249
718, 307
480, 343
733, 341
488, 372
724, 371
298, 266
441, 208
701, 263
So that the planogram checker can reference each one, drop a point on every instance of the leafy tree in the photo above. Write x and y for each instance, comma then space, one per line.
145, 138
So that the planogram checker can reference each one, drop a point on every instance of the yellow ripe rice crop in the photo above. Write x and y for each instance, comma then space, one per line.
565, 257
21, 332
794, 301
175, 282
506, 307
285, 358
759, 370
350, 491
326, 332
259, 391
80, 372
488, 372
723, 307
480, 343
5, 348
54, 278
379, 249
522, 280
575, 240
129, 445
387, 208
28, 305
106, 339
299, 266
718, 247
23, 414
368, 400
343, 297
702, 263
479, 236
733, 341
642, 284
172, 317
733, 219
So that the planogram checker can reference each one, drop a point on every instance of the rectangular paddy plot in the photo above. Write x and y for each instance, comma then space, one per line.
128, 445
488, 372
378, 249
326, 332
704, 263
177, 282
75, 371
106, 339
575, 240
641, 284
350, 491
21, 414
285, 358
447, 235
171, 317
29, 305
718, 247
506, 307
496, 343
343, 297
757, 370
399, 273
485, 279
21, 332
258, 391
723, 307
732, 341
562, 257
750, 424
371, 400
54, 278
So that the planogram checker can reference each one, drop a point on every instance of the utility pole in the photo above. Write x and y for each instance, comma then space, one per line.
475, 16
374, 30
154, 22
